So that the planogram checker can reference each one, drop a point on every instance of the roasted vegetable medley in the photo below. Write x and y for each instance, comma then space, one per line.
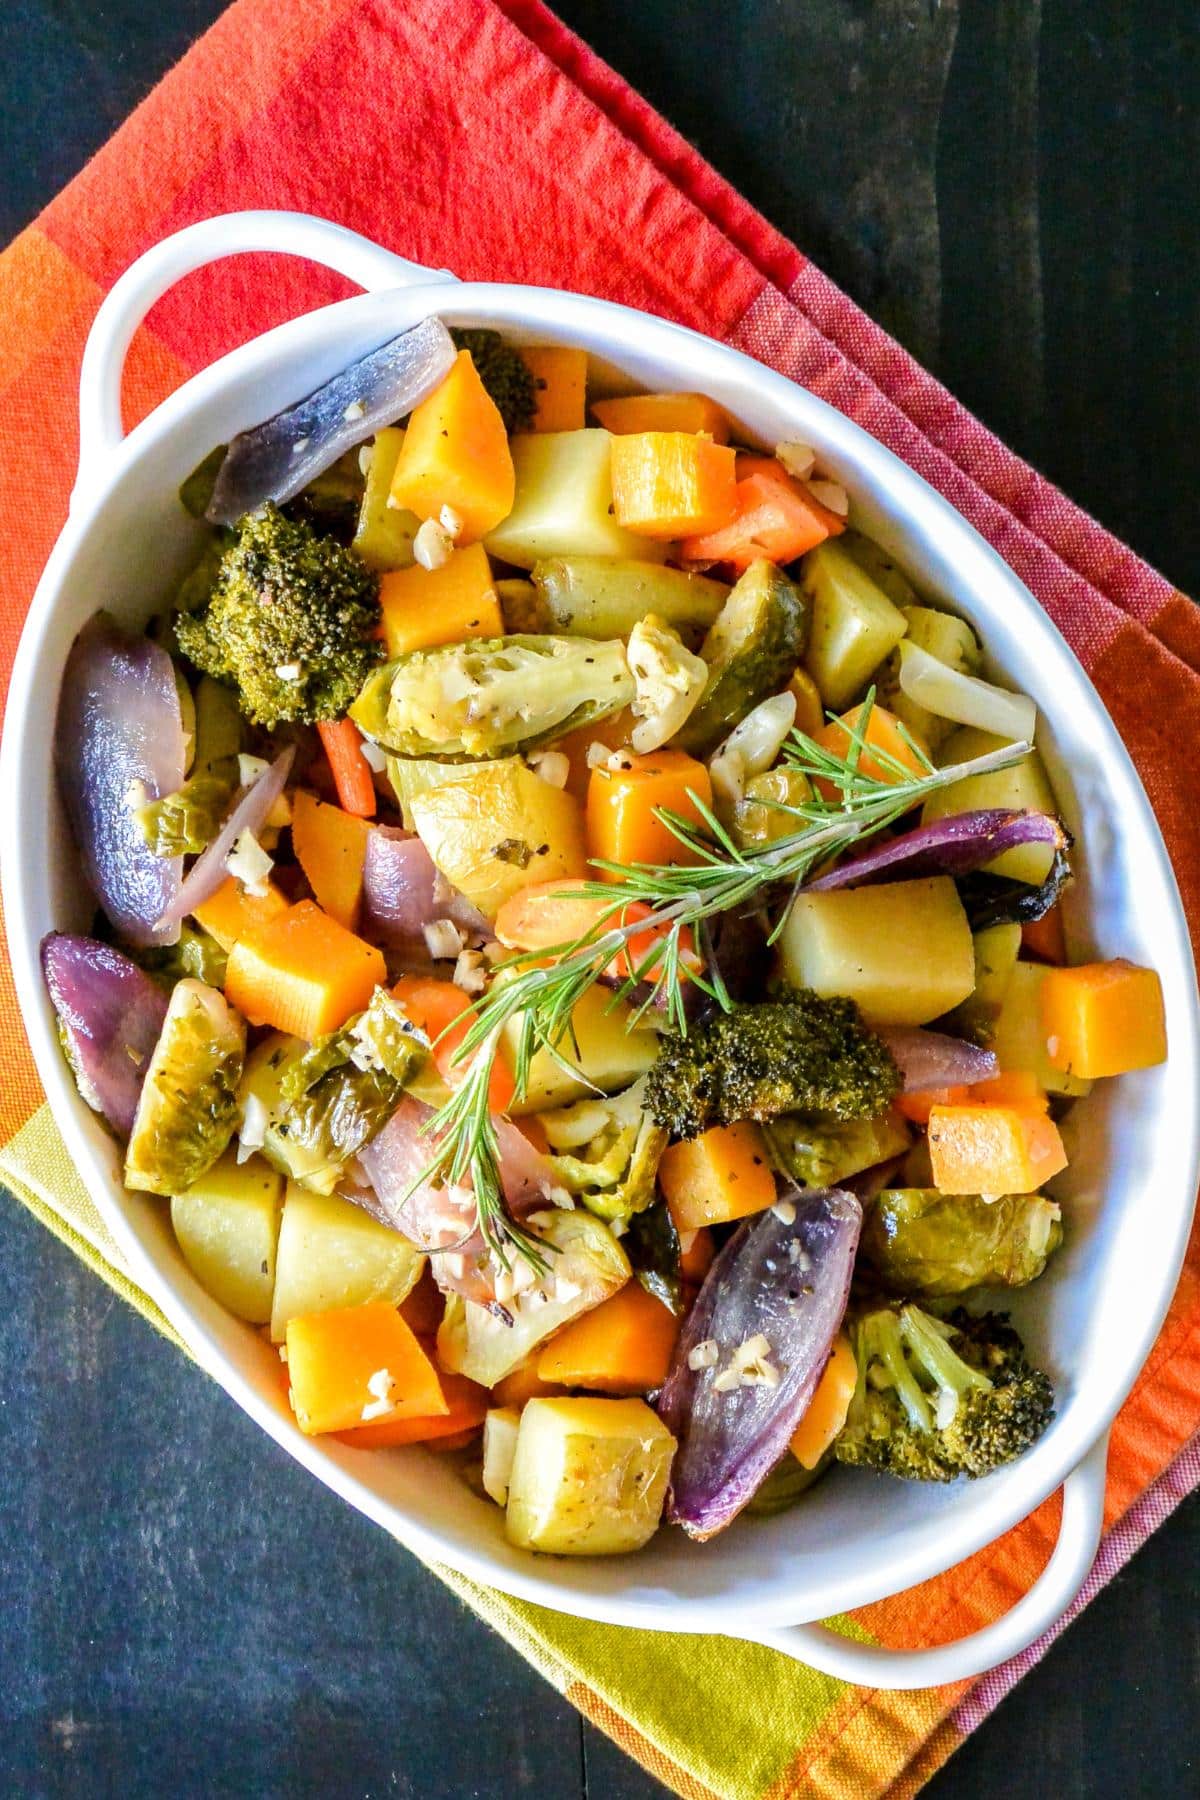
579, 946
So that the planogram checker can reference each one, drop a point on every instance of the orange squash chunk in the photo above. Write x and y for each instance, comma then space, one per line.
623, 1346
622, 803
722, 1174
663, 412
331, 848
455, 453
467, 1405
231, 912
346, 1361
882, 733
614, 733
1103, 1018
826, 1412
302, 973
697, 1250
524, 1383
560, 385
422, 607
669, 483
993, 1149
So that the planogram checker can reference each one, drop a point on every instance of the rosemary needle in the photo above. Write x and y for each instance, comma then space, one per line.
536, 993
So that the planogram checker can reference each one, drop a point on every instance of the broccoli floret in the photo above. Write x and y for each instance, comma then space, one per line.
939, 1398
803, 1054
287, 623
504, 373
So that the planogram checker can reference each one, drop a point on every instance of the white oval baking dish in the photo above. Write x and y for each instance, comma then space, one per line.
1128, 1195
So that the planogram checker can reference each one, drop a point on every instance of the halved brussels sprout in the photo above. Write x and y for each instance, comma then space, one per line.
918, 1241
188, 1107
185, 822
606, 1151
310, 1108
821, 1152
759, 636
490, 695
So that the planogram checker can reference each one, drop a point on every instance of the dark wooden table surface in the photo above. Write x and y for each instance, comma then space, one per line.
1011, 186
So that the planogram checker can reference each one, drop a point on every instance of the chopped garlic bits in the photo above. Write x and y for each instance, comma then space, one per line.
249, 863
668, 682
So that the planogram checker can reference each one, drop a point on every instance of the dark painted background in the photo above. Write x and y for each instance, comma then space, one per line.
1011, 188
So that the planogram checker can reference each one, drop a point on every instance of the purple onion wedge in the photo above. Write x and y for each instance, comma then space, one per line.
249, 814
403, 892
110, 1015
934, 1059
438, 1218
952, 846
118, 743
274, 460
785, 1280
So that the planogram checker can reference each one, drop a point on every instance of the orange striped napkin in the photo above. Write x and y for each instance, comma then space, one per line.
486, 138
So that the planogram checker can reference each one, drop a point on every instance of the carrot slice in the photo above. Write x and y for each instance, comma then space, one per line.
443, 1012
774, 517
342, 742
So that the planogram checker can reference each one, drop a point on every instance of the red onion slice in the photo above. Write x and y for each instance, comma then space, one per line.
441, 1220
110, 1015
403, 892
786, 1279
249, 814
274, 460
118, 743
934, 1059
951, 846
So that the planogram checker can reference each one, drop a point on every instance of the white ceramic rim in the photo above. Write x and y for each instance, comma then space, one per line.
105, 458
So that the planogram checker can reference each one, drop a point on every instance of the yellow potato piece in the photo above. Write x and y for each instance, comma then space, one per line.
589, 1477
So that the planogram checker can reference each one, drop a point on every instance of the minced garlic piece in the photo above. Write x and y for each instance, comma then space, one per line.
380, 1388
432, 545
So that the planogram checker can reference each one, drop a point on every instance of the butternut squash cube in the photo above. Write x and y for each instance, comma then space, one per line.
455, 453
1103, 1018
722, 1174
422, 607
993, 1150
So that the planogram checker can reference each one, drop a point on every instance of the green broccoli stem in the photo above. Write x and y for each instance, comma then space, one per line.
927, 1340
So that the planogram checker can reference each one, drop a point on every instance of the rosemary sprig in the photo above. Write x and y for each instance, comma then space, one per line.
537, 992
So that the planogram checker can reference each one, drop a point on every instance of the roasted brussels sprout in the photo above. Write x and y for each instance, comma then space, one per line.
820, 1152
759, 636
185, 822
918, 1241
188, 1106
492, 695
606, 1151
310, 1108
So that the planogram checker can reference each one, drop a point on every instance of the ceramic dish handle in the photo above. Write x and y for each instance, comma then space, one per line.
869, 1665
147, 280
